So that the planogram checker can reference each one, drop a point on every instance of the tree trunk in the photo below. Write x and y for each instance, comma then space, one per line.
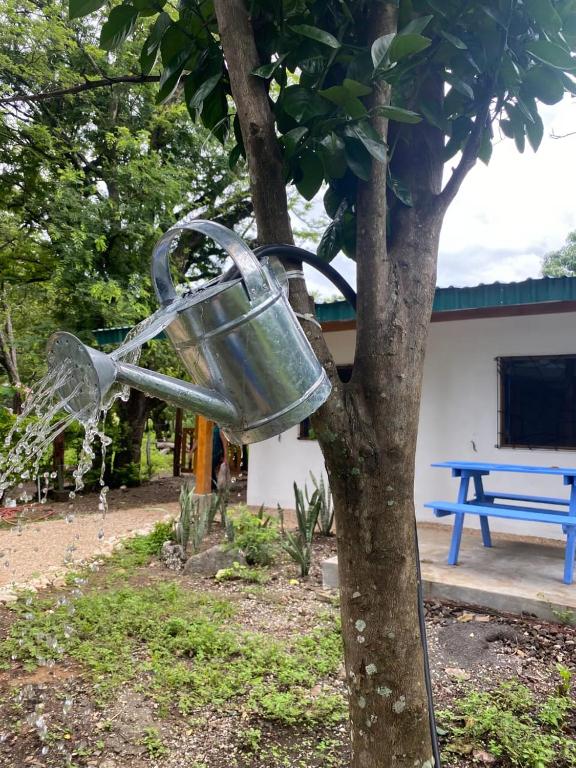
370, 465
8, 356
368, 428
128, 450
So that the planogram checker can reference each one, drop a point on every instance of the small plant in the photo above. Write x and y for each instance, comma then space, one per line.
256, 535
153, 743
511, 725
326, 511
250, 739
299, 545
239, 572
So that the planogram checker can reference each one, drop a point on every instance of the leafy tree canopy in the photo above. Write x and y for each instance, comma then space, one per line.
90, 181
561, 263
495, 60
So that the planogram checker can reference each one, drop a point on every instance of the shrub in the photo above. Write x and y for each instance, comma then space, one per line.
238, 572
255, 534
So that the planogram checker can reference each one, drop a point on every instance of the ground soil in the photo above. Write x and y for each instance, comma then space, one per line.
468, 648
40, 543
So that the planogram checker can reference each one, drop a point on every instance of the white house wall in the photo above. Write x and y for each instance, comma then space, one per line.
458, 418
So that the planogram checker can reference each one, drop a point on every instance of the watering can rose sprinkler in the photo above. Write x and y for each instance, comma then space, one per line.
251, 368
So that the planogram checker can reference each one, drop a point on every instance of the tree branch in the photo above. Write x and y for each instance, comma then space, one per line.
468, 159
89, 85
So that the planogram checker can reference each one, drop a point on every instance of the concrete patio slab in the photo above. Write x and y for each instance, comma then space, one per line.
517, 575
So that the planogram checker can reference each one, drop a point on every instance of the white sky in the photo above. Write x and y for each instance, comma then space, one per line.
507, 215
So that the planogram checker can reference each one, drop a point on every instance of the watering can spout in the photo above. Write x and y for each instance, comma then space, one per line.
93, 374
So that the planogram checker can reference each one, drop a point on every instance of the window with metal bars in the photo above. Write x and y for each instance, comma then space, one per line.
538, 402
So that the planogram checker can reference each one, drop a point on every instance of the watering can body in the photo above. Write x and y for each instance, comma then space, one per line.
251, 368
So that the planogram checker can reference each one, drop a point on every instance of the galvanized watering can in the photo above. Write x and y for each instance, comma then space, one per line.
250, 364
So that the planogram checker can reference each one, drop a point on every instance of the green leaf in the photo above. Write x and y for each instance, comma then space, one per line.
292, 139
455, 41
267, 70
302, 104
171, 74
234, 156
495, 16
459, 131
569, 24
551, 54
380, 48
196, 99
400, 190
439, 6
358, 158
148, 7
535, 132
332, 153
544, 13
314, 33
311, 174
506, 127
509, 73
416, 26
79, 8
407, 45
119, 25
459, 85
485, 149
517, 126
331, 242
332, 202
149, 52
339, 95
370, 139
544, 84
214, 113
399, 114
355, 88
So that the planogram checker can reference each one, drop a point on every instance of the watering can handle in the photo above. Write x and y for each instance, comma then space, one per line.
255, 278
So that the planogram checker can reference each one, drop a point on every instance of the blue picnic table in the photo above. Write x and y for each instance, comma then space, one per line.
510, 506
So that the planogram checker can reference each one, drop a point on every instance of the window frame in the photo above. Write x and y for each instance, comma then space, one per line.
502, 431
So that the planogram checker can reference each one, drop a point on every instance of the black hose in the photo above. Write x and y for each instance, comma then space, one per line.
301, 254
427, 675
293, 252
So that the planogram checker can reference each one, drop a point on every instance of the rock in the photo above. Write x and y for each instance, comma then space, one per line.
212, 560
173, 555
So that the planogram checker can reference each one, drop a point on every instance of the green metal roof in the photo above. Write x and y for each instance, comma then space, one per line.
545, 289
477, 297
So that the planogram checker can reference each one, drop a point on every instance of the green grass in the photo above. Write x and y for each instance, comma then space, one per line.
511, 725
179, 647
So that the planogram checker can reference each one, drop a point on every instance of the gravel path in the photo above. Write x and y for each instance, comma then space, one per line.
41, 552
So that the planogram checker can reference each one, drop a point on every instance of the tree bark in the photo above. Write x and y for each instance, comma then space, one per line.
128, 449
8, 356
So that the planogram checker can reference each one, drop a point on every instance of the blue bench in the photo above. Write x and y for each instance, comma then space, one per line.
484, 505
